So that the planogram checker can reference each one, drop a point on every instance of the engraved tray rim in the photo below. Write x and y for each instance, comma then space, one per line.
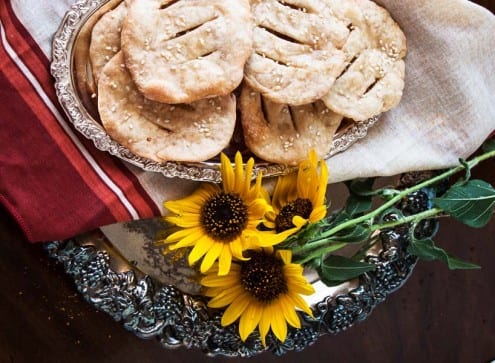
61, 68
151, 309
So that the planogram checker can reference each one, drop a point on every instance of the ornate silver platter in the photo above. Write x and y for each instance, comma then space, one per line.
155, 296
151, 309
76, 92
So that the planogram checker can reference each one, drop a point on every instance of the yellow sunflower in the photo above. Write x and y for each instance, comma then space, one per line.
263, 291
299, 198
220, 223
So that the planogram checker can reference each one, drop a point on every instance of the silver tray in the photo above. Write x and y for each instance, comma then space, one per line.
155, 297
152, 309
75, 89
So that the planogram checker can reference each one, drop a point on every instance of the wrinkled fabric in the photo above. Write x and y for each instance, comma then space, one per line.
57, 184
448, 106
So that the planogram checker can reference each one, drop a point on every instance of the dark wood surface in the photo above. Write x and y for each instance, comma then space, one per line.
437, 316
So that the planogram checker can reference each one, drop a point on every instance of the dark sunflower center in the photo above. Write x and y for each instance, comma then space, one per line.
299, 207
224, 216
263, 277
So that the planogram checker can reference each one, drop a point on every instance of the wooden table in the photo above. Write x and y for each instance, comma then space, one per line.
438, 316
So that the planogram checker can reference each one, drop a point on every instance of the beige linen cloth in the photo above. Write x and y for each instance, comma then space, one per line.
447, 110
448, 106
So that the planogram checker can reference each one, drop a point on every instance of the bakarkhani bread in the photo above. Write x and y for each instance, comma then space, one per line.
105, 38
283, 134
158, 131
373, 80
296, 55
186, 50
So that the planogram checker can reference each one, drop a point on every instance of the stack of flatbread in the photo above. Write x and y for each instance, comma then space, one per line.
171, 74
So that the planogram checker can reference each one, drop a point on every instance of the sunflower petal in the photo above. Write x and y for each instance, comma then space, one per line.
322, 185
300, 285
204, 193
318, 213
293, 270
249, 320
200, 249
225, 297
247, 179
224, 260
228, 177
266, 238
179, 207
269, 224
300, 303
236, 250
289, 311
285, 256
263, 193
235, 309
250, 239
285, 191
278, 323
188, 240
193, 202
299, 221
213, 280
258, 208
180, 234
211, 256
238, 174
257, 191
303, 180
303, 289
264, 324
312, 157
186, 220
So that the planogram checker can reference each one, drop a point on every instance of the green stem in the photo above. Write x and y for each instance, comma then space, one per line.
412, 218
322, 252
322, 239
365, 248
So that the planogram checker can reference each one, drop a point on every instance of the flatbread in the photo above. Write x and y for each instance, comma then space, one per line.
105, 38
373, 79
297, 54
161, 132
186, 50
285, 134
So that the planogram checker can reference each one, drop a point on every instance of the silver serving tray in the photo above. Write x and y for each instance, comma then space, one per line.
75, 89
119, 270
150, 308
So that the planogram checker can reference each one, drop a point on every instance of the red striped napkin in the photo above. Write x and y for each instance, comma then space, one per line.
52, 180
57, 184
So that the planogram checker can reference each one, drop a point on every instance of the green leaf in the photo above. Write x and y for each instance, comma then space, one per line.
472, 202
337, 218
361, 187
356, 205
337, 269
428, 251
309, 232
489, 145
